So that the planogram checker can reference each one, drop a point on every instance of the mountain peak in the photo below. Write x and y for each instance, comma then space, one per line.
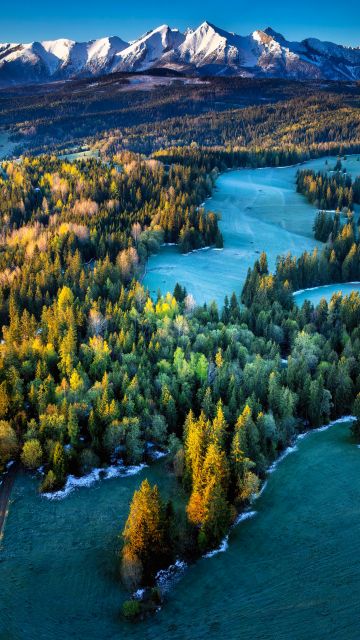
206, 26
274, 34
206, 49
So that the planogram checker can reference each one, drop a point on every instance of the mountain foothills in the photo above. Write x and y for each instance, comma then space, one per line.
207, 50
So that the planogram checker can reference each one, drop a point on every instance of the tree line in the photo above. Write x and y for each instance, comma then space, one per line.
92, 370
333, 193
252, 406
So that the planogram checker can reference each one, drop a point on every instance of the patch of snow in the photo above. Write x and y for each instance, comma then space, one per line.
113, 471
263, 487
246, 515
284, 454
196, 250
320, 286
301, 436
223, 546
166, 578
156, 454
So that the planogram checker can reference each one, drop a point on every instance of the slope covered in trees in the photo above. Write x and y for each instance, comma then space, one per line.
253, 406
93, 370
120, 113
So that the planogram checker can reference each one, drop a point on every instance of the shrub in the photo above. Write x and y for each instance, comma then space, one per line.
49, 483
131, 609
32, 453
8, 442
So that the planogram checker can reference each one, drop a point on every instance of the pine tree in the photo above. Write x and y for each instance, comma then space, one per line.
246, 438
217, 432
356, 424
73, 427
144, 535
59, 465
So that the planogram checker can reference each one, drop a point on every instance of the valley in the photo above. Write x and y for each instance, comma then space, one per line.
259, 210
290, 565
179, 385
73, 566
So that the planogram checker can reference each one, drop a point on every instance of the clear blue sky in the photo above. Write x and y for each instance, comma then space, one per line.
27, 20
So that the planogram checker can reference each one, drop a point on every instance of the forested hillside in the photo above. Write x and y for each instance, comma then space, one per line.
122, 112
94, 371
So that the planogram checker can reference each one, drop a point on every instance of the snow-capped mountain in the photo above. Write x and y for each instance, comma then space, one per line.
206, 50
148, 51
56, 59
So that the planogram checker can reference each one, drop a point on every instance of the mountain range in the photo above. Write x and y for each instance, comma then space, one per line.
207, 50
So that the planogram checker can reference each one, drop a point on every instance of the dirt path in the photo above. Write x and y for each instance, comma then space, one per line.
5, 493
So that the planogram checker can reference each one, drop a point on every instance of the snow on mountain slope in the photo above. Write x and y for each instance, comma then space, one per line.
276, 57
205, 50
102, 52
148, 50
54, 59
209, 46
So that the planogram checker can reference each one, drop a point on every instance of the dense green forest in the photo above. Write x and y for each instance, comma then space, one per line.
94, 371
254, 406
67, 112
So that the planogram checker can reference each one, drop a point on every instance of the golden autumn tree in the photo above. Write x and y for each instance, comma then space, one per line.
144, 536
217, 515
246, 481
218, 426
8, 443
208, 507
196, 439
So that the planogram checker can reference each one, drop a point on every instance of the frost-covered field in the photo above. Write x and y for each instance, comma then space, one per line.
6, 145
260, 210
289, 566
315, 294
80, 155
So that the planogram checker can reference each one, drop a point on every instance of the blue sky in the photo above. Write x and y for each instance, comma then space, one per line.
26, 20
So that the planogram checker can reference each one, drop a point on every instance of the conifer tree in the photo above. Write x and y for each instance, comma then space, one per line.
217, 430
144, 536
